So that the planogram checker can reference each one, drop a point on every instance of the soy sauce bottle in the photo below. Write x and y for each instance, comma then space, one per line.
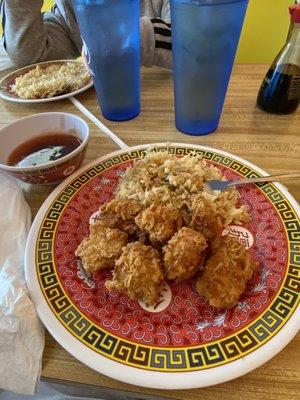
280, 90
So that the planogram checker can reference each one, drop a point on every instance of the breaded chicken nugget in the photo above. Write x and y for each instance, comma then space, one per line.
159, 222
101, 248
206, 221
184, 254
120, 214
226, 273
138, 273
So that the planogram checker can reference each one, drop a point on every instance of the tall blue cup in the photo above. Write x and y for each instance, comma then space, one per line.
110, 32
205, 35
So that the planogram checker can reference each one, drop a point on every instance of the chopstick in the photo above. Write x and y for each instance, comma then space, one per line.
98, 123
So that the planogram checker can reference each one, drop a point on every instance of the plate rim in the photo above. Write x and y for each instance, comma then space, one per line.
129, 374
4, 96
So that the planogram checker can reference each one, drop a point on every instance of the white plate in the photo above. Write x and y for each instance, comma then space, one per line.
187, 343
16, 99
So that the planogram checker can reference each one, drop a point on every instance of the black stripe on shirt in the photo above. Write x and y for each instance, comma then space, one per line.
54, 7
159, 44
162, 31
160, 21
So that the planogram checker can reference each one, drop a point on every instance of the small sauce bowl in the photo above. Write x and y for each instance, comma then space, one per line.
27, 128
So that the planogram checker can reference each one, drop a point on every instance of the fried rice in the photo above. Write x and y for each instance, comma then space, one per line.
43, 82
162, 178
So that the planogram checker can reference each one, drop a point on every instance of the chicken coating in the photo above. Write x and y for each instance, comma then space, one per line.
159, 222
101, 248
206, 221
138, 273
120, 214
184, 254
226, 273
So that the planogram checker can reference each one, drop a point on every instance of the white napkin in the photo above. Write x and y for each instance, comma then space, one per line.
21, 333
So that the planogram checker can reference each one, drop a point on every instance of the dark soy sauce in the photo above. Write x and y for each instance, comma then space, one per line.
43, 149
280, 90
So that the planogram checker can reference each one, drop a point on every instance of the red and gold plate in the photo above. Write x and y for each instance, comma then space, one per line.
8, 81
183, 342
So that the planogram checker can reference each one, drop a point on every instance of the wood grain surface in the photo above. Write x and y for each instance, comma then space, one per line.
269, 141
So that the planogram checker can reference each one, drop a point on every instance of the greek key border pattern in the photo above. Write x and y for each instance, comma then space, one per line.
168, 359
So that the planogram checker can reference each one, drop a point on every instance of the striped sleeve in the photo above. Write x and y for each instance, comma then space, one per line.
163, 43
162, 32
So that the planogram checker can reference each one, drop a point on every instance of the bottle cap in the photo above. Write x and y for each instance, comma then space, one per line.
295, 13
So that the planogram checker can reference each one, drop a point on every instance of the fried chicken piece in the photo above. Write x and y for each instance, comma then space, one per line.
138, 273
206, 221
159, 222
227, 272
184, 254
120, 214
185, 215
101, 248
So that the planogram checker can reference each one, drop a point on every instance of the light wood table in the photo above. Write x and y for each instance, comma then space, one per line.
271, 142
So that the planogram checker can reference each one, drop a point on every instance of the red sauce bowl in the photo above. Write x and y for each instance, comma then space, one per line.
24, 129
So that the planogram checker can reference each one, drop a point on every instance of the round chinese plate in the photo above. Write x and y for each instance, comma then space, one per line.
183, 342
7, 82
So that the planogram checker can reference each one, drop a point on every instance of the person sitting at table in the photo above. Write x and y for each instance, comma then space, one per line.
31, 37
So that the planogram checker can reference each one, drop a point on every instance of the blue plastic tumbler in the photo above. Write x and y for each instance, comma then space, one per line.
110, 32
205, 35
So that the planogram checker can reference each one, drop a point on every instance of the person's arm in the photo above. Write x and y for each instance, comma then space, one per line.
156, 42
31, 37
156, 33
